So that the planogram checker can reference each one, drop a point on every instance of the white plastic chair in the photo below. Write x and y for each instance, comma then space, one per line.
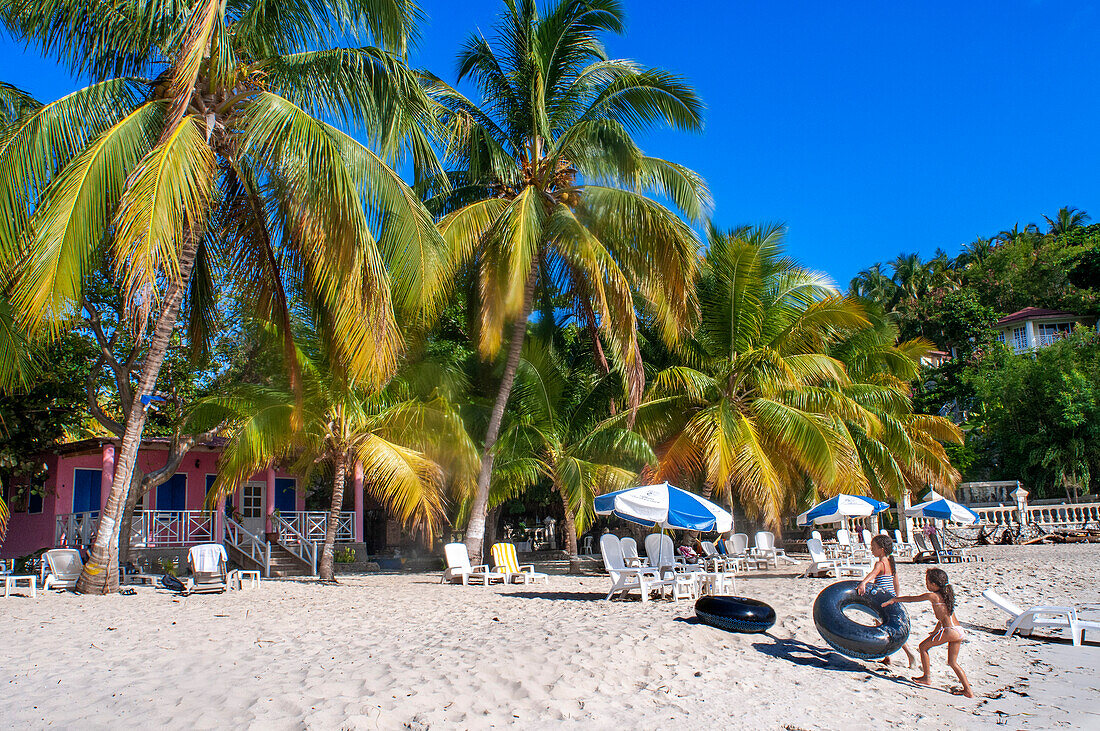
459, 568
835, 567
630, 552
208, 572
1054, 618
61, 568
625, 578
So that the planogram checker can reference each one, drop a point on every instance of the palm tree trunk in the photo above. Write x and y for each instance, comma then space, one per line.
475, 528
327, 569
570, 535
100, 574
128, 517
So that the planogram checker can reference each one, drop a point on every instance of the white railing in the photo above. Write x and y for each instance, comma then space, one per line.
312, 523
75, 529
293, 540
250, 545
1064, 515
172, 528
998, 515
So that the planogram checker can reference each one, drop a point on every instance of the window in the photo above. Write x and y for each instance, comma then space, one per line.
252, 498
172, 495
1001, 335
1019, 338
1050, 332
284, 494
86, 493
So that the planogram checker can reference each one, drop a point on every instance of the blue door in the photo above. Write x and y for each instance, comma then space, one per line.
172, 495
284, 494
86, 490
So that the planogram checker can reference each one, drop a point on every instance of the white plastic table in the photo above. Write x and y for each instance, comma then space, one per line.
12, 582
238, 577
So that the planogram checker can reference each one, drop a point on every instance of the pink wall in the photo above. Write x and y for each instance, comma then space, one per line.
30, 532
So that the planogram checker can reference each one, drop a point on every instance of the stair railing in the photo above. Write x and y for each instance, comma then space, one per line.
250, 545
292, 540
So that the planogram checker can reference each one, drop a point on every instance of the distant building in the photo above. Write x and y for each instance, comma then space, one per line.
1033, 327
934, 358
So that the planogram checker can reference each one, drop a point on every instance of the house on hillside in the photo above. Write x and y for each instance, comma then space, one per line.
264, 524
934, 358
1034, 327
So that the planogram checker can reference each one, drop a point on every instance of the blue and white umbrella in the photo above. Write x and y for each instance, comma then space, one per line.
943, 509
666, 506
839, 508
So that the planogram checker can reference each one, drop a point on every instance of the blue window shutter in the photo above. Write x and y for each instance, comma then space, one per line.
86, 490
172, 495
284, 494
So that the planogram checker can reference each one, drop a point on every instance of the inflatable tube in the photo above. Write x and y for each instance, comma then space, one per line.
851, 638
735, 613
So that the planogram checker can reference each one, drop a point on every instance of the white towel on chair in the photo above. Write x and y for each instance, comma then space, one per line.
205, 558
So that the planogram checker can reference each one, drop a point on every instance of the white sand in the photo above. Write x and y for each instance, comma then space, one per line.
388, 651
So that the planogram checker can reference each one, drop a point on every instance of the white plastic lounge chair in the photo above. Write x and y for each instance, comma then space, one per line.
61, 567
459, 568
740, 544
844, 542
765, 549
208, 573
1055, 618
903, 549
835, 567
625, 578
630, 552
951, 555
506, 562
715, 560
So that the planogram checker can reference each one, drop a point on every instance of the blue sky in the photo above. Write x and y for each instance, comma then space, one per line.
870, 128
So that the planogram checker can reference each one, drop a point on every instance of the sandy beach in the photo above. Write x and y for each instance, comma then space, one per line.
403, 651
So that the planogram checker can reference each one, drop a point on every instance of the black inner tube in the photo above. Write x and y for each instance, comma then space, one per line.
847, 636
735, 613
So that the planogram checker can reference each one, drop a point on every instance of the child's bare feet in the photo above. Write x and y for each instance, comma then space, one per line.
962, 691
922, 680
885, 661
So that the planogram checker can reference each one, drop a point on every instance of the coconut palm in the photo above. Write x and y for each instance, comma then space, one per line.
198, 159
875, 285
898, 450
556, 431
550, 191
746, 416
402, 437
1067, 219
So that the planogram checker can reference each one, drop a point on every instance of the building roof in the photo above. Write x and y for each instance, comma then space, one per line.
96, 443
1037, 313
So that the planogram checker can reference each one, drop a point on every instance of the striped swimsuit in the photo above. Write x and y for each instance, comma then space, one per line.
885, 583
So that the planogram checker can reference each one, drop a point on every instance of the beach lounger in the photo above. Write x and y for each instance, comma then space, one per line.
61, 568
625, 578
206, 562
459, 568
820, 564
951, 555
901, 548
715, 560
506, 562
923, 552
1052, 618
630, 552
765, 548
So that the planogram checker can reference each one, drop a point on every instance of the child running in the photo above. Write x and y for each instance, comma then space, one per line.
884, 577
947, 630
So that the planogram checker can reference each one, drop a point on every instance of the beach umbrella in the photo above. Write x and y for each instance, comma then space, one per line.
839, 508
666, 506
943, 509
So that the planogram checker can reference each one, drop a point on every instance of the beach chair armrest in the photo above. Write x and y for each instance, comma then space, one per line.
527, 568
481, 568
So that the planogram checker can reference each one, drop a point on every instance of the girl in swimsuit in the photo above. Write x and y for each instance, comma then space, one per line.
947, 630
884, 578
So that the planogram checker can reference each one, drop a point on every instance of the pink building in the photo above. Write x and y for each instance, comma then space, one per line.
263, 525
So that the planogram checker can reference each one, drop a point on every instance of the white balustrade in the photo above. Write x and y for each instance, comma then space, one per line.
75, 529
256, 548
172, 528
311, 524
294, 541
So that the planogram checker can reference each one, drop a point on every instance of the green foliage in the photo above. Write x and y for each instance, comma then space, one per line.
345, 555
1038, 415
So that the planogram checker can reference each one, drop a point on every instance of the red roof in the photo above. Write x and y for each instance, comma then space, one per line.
1036, 313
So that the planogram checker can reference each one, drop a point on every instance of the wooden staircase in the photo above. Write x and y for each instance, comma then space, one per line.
285, 563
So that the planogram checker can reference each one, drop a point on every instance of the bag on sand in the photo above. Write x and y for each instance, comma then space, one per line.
171, 583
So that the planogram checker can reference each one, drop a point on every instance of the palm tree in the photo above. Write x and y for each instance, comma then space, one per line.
747, 414
1067, 219
401, 436
875, 285
550, 191
199, 159
556, 431
898, 450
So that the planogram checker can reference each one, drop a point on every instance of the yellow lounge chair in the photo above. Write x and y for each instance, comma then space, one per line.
504, 558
